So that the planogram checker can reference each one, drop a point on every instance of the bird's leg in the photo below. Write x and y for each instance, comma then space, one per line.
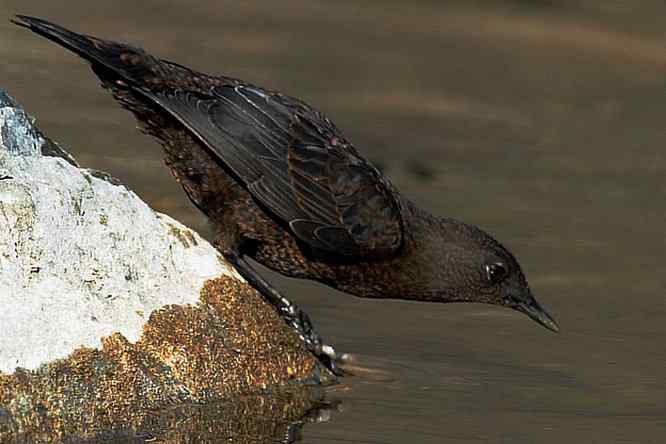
290, 312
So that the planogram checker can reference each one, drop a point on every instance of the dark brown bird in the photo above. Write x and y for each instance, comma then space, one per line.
284, 187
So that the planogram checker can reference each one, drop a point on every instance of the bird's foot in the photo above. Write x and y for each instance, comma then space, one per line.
292, 315
326, 354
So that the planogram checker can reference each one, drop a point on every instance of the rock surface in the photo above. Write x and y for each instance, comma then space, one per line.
111, 310
81, 258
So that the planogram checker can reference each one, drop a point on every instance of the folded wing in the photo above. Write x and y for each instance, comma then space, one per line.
294, 162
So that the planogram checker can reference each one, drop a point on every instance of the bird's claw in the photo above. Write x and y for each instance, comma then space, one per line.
325, 353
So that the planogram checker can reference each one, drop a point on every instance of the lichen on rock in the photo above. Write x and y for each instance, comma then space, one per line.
226, 346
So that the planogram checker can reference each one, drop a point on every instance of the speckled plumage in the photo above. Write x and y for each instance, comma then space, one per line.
289, 190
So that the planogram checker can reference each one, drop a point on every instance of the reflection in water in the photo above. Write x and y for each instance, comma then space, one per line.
270, 418
252, 419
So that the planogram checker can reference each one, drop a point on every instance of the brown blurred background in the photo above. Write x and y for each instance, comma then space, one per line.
541, 121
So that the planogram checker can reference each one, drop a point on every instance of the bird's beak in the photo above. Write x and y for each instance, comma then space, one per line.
532, 309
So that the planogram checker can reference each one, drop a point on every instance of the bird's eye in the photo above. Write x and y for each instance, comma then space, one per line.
496, 272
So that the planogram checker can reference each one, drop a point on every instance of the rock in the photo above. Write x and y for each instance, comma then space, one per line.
111, 310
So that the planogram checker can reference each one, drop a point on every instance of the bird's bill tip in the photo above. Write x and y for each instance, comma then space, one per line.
539, 314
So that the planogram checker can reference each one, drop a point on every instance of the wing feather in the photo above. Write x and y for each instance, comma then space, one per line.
296, 162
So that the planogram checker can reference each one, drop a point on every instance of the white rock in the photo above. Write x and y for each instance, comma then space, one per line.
81, 258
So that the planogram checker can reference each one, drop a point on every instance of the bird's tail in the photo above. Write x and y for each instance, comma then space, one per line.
111, 61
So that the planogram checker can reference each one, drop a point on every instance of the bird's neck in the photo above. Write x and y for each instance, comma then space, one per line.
408, 274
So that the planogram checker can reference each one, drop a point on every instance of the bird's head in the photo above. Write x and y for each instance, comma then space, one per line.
466, 264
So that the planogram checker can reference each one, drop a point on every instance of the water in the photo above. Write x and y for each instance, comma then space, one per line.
542, 122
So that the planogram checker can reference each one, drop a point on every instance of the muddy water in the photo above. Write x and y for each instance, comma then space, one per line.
542, 122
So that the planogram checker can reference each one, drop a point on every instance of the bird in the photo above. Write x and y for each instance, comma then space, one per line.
283, 186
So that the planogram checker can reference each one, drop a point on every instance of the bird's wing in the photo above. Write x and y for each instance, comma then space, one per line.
292, 159
296, 163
